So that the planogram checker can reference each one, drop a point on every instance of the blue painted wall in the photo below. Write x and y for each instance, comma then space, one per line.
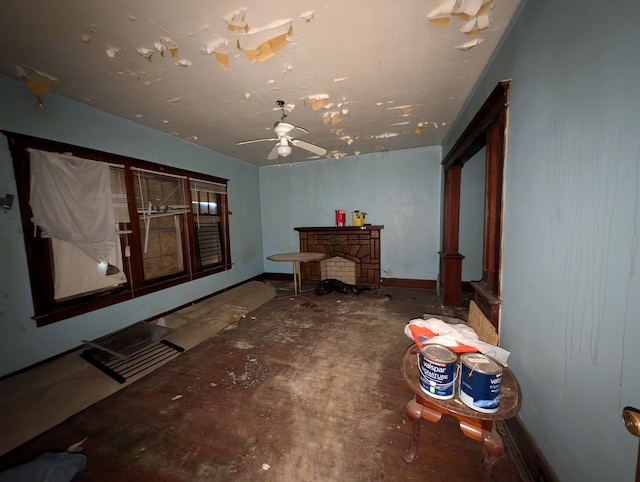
571, 270
400, 190
21, 343
472, 216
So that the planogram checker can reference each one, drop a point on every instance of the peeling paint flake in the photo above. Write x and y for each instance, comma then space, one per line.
175, 100
340, 79
86, 38
386, 135
331, 117
317, 101
425, 125
112, 51
475, 25
22, 69
470, 44
236, 20
263, 43
223, 60
146, 53
308, 15
444, 11
165, 43
220, 44
404, 109
470, 10
219, 48
471, 7
183, 63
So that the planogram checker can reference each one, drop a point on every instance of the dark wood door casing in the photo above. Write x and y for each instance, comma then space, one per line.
487, 128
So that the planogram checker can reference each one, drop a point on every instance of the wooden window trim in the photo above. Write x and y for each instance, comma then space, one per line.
38, 251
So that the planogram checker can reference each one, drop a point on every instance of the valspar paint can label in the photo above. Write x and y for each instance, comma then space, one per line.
480, 382
437, 367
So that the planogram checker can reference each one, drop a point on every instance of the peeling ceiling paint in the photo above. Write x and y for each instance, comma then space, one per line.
210, 72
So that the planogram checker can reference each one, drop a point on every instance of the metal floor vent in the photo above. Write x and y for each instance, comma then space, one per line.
131, 351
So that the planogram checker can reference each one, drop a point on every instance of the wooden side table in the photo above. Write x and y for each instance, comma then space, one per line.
475, 425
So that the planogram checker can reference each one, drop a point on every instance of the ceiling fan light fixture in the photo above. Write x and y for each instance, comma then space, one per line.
284, 150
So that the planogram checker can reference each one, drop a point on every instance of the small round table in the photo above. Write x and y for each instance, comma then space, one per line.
475, 425
296, 258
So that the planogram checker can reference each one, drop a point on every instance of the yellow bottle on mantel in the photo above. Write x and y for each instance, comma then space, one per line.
357, 218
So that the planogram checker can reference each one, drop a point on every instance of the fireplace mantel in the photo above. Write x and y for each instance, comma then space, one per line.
360, 244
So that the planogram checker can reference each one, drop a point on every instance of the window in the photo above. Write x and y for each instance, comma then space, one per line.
161, 205
207, 201
112, 228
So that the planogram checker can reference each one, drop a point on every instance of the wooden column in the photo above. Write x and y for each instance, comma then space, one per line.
450, 258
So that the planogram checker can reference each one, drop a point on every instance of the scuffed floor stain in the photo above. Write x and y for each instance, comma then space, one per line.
309, 387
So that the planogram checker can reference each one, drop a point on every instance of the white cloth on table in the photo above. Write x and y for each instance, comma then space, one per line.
453, 334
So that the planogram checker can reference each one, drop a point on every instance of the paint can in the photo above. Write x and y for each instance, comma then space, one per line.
437, 367
480, 382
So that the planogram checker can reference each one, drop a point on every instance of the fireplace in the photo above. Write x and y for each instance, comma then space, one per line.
358, 244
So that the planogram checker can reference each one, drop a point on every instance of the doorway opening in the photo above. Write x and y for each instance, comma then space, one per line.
486, 130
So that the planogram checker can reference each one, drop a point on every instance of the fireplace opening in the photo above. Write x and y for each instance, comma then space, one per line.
338, 268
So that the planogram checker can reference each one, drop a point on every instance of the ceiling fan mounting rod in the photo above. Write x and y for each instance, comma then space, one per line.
280, 103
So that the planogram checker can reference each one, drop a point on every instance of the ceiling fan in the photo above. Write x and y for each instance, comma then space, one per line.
284, 142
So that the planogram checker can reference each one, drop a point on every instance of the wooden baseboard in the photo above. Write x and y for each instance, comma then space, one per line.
531, 456
276, 276
385, 282
425, 284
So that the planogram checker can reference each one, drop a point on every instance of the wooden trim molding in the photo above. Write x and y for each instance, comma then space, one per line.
531, 456
487, 128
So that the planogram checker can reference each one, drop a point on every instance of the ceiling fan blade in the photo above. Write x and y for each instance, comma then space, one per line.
321, 151
302, 129
255, 140
274, 153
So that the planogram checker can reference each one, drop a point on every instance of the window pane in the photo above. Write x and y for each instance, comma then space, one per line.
206, 198
204, 202
159, 193
119, 194
160, 201
163, 242
208, 241
76, 274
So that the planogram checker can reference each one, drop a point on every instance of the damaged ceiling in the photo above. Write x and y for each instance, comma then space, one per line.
360, 77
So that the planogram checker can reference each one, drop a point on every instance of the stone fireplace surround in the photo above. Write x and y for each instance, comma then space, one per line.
360, 244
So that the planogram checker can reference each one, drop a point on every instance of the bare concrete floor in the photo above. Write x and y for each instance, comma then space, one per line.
300, 389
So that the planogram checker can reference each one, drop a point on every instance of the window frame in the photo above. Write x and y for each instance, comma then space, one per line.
38, 249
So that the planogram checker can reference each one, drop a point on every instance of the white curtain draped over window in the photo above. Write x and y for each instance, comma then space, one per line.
71, 201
